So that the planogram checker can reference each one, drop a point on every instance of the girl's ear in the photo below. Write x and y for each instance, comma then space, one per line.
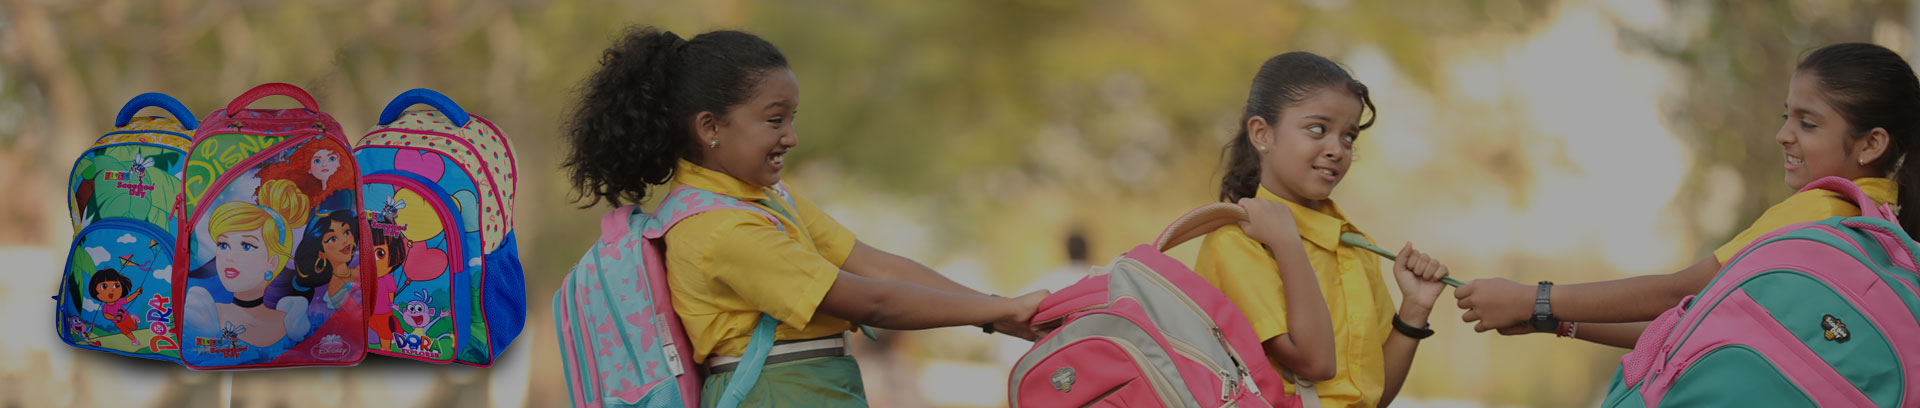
1260, 133
1872, 146
707, 126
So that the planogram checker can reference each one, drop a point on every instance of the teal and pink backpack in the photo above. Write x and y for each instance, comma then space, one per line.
272, 252
1813, 314
620, 340
439, 189
115, 294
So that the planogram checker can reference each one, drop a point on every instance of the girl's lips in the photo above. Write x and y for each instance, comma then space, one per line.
230, 273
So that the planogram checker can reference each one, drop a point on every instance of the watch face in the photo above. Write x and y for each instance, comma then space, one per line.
1544, 322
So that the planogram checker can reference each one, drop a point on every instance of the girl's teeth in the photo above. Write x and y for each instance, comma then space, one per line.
1325, 171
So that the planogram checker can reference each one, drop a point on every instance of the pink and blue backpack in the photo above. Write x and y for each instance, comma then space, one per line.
115, 294
620, 340
1813, 314
439, 189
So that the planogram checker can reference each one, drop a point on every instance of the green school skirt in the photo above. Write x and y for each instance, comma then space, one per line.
814, 382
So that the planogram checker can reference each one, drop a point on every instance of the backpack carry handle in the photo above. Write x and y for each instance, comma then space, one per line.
271, 89
423, 96
1198, 223
156, 99
1847, 189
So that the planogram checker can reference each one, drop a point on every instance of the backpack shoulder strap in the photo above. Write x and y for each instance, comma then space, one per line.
1849, 191
685, 201
752, 362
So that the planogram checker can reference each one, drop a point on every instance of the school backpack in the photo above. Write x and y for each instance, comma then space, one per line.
621, 342
438, 197
114, 295
272, 248
1813, 314
1146, 331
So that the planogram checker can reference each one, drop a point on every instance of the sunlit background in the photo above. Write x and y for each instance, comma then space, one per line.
1567, 140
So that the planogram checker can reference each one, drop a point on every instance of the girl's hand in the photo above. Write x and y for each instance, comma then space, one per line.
1021, 324
1269, 222
1419, 277
1495, 303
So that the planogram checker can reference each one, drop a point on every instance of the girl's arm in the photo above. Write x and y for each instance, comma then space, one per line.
1502, 303
1418, 276
1307, 346
874, 263
900, 305
1622, 335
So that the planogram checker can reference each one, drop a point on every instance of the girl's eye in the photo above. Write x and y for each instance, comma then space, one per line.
247, 246
777, 120
1348, 139
1807, 125
223, 246
1317, 129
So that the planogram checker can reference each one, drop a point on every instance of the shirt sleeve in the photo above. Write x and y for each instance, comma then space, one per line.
834, 241
761, 264
1248, 275
1800, 207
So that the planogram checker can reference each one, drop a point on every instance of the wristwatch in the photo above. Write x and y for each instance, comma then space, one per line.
1543, 320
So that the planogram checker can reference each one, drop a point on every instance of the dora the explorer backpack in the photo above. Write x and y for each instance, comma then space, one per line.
114, 295
1146, 331
620, 340
272, 248
439, 194
1813, 314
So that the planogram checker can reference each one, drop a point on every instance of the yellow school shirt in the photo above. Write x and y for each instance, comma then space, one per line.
1811, 205
726, 267
1349, 278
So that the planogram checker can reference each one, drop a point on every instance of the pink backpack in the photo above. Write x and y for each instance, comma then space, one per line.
1146, 331
1814, 314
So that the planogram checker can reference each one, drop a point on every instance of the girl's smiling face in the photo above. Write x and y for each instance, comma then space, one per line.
1817, 141
751, 141
337, 245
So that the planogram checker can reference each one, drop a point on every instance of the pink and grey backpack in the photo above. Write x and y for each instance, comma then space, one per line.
1814, 314
1146, 331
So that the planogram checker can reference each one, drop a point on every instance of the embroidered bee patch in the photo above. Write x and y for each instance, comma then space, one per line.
1836, 330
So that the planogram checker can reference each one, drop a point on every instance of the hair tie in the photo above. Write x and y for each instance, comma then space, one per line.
679, 44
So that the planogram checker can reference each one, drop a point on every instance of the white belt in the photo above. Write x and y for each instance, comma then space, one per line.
784, 351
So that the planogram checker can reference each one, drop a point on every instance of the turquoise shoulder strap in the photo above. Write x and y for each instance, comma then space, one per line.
751, 363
